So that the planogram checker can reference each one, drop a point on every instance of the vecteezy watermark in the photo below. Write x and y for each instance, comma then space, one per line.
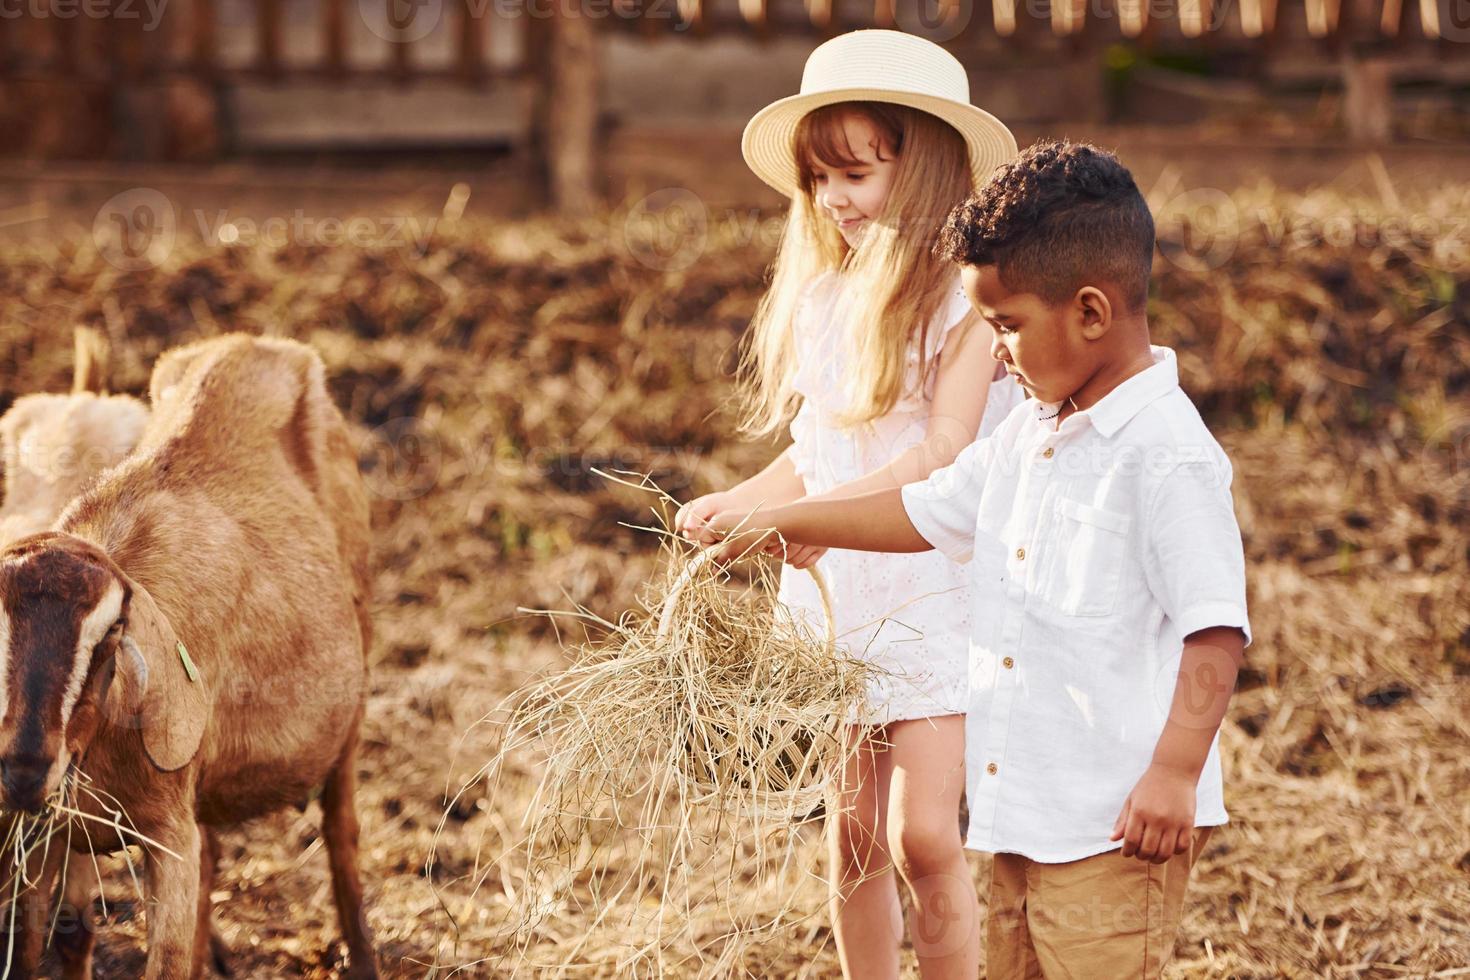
136, 229
1448, 446
300, 228
669, 229
150, 12
402, 458
402, 21
1194, 690
934, 20
1199, 230
139, 228
407, 21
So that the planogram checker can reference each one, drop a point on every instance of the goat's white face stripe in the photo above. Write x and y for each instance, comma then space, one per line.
93, 628
5, 656
5, 659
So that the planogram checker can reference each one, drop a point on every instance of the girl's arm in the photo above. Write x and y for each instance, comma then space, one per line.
777, 484
961, 387
773, 486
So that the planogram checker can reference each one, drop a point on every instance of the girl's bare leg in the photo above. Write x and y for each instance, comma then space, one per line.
926, 757
867, 919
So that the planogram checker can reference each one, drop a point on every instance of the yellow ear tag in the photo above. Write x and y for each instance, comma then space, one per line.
188, 664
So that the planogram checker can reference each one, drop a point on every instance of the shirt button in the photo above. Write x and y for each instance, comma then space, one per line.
1021, 553
992, 769
1049, 453
1008, 663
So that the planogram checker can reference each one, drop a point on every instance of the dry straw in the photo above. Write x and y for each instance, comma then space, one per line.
695, 735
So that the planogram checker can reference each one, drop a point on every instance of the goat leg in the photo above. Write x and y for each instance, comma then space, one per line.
207, 944
339, 828
26, 917
76, 923
173, 902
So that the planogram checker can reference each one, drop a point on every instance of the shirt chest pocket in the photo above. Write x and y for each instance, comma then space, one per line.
1084, 566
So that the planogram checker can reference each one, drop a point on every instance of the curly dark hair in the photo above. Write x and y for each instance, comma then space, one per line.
1061, 216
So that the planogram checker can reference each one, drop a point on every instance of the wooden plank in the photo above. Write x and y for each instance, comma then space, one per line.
1429, 17
950, 20
268, 36
1068, 17
1269, 10
65, 31
1192, 15
649, 27
470, 33
401, 55
1322, 16
1133, 16
202, 36
334, 37
1003, 14
1252, 18
1391, 18
756, 15
693, 17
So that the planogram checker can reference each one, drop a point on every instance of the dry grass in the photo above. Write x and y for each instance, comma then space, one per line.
488, 378
691, 739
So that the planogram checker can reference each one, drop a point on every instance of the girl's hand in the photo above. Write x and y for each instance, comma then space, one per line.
739, 534
692, 518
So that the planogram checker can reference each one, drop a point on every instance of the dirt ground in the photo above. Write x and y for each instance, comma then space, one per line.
487, 371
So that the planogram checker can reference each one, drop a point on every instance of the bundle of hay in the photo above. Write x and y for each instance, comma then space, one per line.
696, 734
725, 698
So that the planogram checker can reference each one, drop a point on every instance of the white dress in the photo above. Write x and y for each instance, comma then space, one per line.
908, 613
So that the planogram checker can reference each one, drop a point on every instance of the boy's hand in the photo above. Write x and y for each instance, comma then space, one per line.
740, 534
799, 556
1157, 821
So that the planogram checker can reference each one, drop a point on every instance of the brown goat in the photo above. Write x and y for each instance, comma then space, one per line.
191, 641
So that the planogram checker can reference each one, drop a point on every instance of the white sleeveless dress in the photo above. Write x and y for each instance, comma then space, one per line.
908, 613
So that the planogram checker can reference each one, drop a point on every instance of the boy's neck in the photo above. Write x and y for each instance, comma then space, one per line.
1131, 358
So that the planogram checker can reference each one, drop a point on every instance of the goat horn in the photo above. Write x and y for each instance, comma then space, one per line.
132, 648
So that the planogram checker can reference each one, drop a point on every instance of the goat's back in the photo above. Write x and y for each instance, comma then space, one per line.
245, 391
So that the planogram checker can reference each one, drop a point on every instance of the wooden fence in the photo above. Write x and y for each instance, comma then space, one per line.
60, 57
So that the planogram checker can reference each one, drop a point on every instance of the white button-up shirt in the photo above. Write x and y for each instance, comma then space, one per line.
1095, 548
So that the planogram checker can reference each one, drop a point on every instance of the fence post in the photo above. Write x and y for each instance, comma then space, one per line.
569, 107
1367, 97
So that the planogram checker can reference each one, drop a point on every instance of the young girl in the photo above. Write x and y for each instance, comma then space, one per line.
895, 377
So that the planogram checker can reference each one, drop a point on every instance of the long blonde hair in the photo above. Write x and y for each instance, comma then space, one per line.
893, 283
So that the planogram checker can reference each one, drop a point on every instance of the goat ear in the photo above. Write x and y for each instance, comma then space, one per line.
161, 687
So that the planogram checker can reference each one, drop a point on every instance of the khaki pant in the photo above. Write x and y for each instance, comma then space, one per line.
1103, 916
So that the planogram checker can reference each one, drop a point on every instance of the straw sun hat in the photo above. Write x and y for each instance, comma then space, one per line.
875, 66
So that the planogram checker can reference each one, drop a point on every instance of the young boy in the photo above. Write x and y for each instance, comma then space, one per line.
1110, 612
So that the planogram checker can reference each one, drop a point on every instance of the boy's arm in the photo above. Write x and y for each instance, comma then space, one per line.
1195, 567
935, 513
874, 521
1157, 819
